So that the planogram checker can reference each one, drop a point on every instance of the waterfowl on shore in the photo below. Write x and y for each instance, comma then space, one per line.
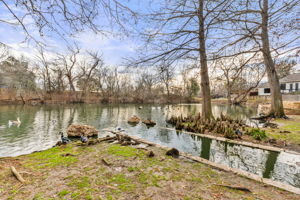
64, 140
83, 138
120, 129
12, 122
239, 133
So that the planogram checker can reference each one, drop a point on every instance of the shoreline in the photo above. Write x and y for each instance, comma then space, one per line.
112, 171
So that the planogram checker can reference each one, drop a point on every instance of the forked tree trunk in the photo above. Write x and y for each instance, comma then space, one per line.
276, 97
205, 88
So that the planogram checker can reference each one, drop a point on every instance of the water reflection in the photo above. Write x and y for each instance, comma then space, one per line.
40, 127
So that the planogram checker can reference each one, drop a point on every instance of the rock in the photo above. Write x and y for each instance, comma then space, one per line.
76, 130
134, 120
173, 152
59, 143
149, 122
150, 154
272, 141
270, 125
284, 131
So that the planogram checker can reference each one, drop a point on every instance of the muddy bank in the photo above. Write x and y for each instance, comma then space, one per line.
111, 171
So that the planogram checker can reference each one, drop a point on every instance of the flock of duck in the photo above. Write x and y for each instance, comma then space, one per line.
12, 123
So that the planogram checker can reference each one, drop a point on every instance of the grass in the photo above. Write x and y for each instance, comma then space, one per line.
52, 158
126, 152
293, 128
131, 175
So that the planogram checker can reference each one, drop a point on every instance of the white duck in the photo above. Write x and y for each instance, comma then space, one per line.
17, 123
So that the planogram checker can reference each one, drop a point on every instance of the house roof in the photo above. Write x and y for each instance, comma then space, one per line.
291, 78
288, 79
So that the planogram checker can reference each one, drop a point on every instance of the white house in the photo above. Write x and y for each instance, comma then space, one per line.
288, 84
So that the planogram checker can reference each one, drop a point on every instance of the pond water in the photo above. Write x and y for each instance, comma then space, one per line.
41, 124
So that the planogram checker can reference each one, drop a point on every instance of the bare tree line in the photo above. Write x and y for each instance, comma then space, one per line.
204, 33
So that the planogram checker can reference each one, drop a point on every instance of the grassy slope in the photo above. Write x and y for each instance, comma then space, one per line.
132, 175
291, 125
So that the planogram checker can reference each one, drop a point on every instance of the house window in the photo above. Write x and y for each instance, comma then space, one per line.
297, 86
267, 90
291, 87
282, 86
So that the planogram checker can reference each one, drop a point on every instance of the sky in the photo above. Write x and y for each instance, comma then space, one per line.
114, 45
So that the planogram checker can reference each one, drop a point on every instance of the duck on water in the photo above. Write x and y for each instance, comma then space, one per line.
16, 123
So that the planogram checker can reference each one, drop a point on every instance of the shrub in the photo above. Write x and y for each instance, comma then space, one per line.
257, 134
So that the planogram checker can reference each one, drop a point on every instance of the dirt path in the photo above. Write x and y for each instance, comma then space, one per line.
108, 171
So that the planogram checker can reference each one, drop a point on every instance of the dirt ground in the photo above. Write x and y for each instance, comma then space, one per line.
110, 171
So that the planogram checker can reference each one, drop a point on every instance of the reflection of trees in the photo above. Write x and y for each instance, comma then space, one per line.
164, 135
270, 163
205, 148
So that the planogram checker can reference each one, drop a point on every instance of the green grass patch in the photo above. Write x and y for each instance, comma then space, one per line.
124, 151
80, 182
293, 128
257, 134
124, 183
51, 158
63, 193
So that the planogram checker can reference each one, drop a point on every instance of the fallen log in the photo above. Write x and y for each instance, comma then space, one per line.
236, 188
17, 174
105, 162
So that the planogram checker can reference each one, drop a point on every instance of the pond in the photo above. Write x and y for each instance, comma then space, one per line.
40, 126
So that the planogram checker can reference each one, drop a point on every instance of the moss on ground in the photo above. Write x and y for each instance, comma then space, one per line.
74, 172
288, 130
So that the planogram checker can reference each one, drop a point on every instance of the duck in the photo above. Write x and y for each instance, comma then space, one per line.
83, 138
140, 107
239, 133
18, 122
120, 129
2, 127
64, 140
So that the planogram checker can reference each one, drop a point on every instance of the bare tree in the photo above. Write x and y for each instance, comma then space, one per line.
64, 17
166, 73
268, 27
69, 62
88, 71
231, 72
183, 30
46, 69
146, 82
284, 67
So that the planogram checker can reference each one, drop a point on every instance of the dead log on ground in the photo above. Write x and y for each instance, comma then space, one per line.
17, 174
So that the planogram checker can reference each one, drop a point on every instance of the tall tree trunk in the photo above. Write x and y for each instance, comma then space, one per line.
276, 97
205, 88
72, 87
229, 102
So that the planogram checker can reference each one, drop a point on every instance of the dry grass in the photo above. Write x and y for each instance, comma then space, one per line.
130, 175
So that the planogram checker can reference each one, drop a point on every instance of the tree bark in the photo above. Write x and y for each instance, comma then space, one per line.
229, 102
205, 87
276, 97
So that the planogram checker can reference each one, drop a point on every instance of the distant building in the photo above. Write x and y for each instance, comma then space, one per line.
288, 84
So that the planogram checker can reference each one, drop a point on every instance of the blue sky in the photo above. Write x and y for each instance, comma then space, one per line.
114, 45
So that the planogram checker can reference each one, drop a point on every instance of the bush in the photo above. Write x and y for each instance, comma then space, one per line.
257, 134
